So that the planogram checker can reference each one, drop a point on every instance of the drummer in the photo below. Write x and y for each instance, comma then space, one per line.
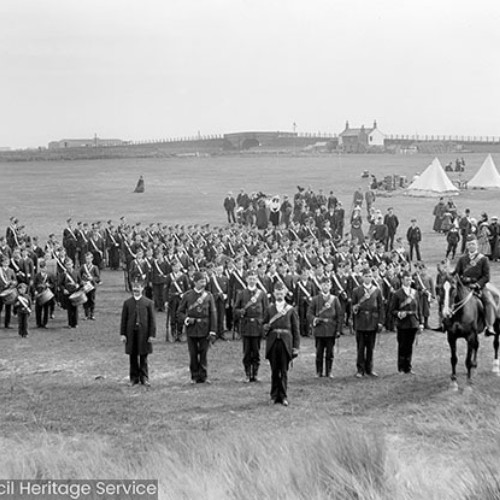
69, 283
8, 281
89, 277
44, 286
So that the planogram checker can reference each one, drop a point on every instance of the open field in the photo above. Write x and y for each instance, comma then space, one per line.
66, 411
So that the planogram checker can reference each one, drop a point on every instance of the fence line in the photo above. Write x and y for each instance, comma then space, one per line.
329, 135
444, 138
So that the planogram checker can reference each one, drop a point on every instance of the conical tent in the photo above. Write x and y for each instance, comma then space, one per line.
487, 177
432, 182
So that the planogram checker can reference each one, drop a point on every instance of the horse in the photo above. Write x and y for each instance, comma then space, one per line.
462, 318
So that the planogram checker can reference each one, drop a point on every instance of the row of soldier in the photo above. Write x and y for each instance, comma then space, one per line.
164, 257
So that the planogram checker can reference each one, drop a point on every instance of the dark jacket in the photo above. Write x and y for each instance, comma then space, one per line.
141, 313
475, 271
413, 235
286, 327
367, 313
250, 306
411, 305
324, 316
199, 309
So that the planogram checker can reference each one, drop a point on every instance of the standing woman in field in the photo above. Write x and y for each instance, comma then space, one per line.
483, 238
357, 225
438, 212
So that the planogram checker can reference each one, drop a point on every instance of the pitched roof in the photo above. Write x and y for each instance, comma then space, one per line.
432, 182
354, 132
487, 176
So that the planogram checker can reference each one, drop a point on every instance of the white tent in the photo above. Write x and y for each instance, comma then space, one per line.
487, 177
432, 182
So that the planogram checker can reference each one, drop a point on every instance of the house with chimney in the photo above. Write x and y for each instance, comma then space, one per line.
361, 140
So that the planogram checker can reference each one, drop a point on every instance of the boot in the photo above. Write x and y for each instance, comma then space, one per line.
255, 372
329, 363
319, 367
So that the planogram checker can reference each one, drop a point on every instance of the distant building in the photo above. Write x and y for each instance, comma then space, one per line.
357, 140
5, 148
85, 143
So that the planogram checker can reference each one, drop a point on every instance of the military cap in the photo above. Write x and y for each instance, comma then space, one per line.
198, 275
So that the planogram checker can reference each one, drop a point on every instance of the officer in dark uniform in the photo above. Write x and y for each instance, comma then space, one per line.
325, 317
406, 308
250, 306
367, 309
473, 269
198, 314
281, 327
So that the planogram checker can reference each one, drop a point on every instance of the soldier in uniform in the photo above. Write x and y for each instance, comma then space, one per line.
250, 306
281, 328
473, 269
414, 237
69, 283
325, 317
90, 277
176, 285
236, 283
218, 286
367, 308
303, 296
406, 308
42, 282
7, 280
70, 241
160, 271
197, 313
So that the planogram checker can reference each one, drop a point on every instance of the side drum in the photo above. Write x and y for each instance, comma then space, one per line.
78, 298
44, 297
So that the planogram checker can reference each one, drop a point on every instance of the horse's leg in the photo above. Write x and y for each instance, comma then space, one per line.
452, 341
496, 345
471, 360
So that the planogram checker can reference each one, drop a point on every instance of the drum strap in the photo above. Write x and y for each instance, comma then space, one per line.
253, 299
304, 290
327, 305
217, 285
279, 315
112, 237
24, 302
95, 246
158, 268
237, 276
73, 282
174, 282
3, 276
199, 301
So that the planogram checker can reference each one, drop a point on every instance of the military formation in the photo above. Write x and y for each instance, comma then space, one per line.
280, 269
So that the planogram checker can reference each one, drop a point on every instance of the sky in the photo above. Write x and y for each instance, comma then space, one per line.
155, 69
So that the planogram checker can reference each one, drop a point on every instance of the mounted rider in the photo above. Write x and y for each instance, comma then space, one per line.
473, 269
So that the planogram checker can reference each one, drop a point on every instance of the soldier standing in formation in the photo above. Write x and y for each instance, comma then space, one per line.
250, 306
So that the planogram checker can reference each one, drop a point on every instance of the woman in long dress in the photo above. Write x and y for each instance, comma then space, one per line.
483, 239
357, 225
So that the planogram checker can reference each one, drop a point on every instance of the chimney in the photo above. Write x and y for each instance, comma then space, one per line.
374, 124
347, 125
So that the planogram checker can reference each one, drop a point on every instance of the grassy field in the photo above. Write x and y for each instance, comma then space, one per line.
66, 411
